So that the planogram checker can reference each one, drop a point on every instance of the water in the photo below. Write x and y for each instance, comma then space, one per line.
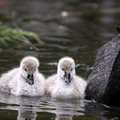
67, 28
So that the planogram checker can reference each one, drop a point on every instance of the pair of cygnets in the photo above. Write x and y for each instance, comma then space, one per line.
27, 80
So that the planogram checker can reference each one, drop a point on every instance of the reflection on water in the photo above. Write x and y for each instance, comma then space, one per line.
26, 115
67, 109
79, 32
28, 107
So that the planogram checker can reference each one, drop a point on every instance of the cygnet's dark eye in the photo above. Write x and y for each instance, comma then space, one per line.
71, 69
62, 69
25, 70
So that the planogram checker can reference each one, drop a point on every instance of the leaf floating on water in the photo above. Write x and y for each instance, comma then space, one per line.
30, 107
38, 107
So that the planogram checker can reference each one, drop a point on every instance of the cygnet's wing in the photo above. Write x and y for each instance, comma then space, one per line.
8, 80
98, 79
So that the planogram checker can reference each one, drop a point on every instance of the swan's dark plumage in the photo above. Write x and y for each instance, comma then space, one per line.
118, 28
100, 87
111, 96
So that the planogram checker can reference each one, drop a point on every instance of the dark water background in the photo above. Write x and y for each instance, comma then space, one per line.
75, 28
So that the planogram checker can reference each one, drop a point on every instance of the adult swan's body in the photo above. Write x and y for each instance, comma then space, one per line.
103, 84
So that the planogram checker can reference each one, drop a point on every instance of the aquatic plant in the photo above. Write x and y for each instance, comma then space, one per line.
10, 36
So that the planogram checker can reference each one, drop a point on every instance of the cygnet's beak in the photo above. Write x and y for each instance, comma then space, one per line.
67, 78
30, 79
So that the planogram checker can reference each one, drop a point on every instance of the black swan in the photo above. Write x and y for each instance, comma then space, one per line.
103, 84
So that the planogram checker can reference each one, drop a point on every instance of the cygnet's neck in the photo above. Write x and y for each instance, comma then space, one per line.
111, 96
22, 79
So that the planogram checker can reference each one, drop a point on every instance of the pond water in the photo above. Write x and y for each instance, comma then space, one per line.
67, 28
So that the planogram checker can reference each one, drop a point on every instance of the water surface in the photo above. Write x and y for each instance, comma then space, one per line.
67, 28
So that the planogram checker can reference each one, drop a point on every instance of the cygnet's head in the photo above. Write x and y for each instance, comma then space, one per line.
66, 69
29, 67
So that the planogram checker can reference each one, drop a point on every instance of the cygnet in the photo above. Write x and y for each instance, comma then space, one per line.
25, 80
65, 84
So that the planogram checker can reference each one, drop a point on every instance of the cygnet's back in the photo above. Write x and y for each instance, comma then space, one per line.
65, 84
25, 80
